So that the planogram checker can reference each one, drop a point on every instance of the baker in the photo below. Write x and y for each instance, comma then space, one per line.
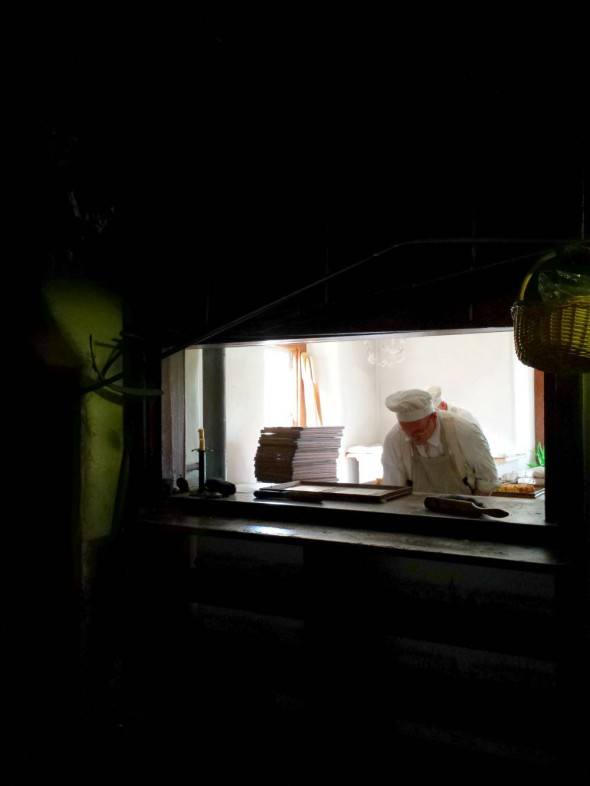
435, 450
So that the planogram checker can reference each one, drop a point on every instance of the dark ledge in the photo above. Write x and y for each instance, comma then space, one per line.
401, 526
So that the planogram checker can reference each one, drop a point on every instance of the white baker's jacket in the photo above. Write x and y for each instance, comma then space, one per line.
397, 453
463, 413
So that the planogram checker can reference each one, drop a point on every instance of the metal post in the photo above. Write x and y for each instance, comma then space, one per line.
214, 410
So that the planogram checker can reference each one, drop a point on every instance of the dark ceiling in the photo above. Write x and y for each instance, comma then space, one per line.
224, 166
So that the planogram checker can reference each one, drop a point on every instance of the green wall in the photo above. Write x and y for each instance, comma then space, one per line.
77, 310
586, 438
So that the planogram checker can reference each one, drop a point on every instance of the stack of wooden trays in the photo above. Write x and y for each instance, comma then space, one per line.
297, 453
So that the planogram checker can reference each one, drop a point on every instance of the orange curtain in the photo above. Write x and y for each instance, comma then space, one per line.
307, 392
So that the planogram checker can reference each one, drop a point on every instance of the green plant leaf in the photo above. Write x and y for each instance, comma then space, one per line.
539, 456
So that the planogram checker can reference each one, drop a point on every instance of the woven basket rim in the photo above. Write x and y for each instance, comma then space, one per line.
539, 338
554, 256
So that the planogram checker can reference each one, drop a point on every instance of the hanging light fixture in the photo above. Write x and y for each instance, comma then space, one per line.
386, 353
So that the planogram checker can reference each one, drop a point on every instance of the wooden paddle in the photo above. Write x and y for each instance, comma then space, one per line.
462, 507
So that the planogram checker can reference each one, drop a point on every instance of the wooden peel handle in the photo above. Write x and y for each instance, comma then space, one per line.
453, 507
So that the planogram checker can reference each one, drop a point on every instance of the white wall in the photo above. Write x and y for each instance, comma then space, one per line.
478, 372
244, 401
348, 390
348, 386
193, 360
193, 378
524, 407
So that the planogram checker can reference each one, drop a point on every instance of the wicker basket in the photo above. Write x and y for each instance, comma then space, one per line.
552, 338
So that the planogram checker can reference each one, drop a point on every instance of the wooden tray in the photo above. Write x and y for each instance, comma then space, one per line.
520, 494
316, 491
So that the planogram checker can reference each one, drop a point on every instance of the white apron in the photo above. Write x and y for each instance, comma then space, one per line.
438, 474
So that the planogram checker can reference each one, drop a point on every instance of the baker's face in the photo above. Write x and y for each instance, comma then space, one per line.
420, 431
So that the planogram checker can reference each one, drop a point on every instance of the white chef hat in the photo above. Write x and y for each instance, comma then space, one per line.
436, 394
410, 405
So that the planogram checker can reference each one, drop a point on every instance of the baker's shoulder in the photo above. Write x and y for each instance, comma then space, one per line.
462, 426
393, 435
